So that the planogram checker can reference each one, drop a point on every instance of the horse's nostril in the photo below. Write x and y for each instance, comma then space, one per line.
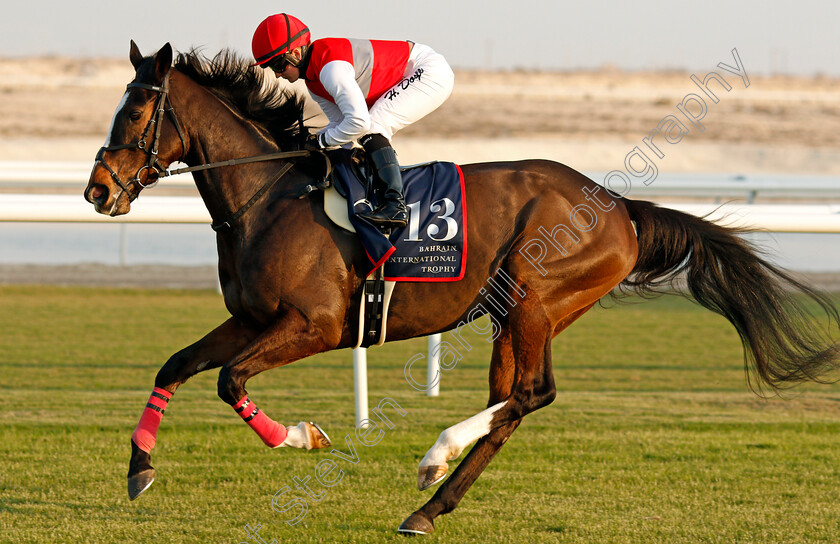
97, 194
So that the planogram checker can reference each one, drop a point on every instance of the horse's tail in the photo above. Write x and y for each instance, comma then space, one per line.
783, 341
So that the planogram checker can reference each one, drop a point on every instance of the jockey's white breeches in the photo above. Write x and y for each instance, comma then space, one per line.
427, 83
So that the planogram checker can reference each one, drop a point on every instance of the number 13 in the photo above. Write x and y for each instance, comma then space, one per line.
448, 208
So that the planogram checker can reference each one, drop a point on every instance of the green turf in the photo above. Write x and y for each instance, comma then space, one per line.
654, 436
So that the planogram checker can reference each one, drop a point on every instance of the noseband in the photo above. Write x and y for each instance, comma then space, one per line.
162, 107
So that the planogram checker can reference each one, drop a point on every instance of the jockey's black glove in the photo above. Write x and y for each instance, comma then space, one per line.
315, 142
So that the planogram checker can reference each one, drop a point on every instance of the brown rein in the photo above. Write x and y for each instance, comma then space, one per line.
266, 186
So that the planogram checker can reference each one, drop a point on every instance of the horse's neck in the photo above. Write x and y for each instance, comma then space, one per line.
224, 190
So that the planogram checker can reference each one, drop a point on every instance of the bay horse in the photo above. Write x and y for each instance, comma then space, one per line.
291, 279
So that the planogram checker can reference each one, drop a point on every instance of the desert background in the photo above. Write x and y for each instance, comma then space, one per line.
59, 109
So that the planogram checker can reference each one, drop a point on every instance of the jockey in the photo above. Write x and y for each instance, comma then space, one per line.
369, 89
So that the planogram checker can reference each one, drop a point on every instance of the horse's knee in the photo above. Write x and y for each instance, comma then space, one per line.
229, 388
172, 372
180, 367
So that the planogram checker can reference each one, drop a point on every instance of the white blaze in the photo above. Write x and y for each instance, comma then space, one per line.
120, 106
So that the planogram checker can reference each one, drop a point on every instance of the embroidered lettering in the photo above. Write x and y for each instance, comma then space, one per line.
404, 84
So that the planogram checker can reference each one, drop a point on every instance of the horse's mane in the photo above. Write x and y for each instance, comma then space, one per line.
234, 80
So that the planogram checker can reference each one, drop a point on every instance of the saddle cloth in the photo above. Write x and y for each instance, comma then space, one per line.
433, 246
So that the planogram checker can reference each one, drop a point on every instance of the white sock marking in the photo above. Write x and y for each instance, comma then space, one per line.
455, 439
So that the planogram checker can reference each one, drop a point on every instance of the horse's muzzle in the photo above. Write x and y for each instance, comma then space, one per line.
96, 194
105, 202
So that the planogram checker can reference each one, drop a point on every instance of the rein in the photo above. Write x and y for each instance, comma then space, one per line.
247, 206
266, 186
235, 162
164, 107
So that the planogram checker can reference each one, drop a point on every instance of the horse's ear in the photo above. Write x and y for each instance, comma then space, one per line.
163, 62
135, 55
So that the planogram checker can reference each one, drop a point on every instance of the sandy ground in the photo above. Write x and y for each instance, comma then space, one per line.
55, 109
60, 109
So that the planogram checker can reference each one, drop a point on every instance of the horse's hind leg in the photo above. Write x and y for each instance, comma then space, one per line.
507, 379
532, 386
212, 351
447, 497
455, 439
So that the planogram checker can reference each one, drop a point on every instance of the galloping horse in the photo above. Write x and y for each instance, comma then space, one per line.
291, 279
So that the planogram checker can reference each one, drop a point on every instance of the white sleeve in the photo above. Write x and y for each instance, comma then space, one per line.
352, 121
332, 112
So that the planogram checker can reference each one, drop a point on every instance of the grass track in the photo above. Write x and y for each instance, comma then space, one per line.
653, 438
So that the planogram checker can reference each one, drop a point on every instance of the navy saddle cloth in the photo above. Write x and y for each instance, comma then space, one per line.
433, 246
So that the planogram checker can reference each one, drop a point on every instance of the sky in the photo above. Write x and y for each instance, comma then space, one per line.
771, 36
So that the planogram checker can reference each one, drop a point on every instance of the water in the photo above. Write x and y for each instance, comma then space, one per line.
76, 243
194, 245
803, 252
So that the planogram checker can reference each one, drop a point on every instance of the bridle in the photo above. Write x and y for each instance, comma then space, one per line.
162, 107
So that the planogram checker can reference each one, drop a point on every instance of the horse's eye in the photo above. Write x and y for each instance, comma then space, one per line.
135, 115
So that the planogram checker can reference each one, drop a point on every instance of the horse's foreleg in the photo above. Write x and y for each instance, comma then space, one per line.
292, 337
210, 352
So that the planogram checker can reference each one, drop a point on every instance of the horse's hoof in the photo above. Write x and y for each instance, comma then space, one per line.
416, 524
429, 476
140, 482
318, 439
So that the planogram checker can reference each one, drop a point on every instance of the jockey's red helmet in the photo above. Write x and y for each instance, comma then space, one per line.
278, 35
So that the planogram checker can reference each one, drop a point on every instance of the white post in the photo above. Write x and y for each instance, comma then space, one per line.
123, 242
433, 373
360, 385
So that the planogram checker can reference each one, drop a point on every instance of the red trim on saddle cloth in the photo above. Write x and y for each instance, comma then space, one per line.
272, 433
381, 261
145, 434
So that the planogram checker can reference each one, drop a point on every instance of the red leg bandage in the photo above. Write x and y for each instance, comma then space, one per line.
145, 433
271, 432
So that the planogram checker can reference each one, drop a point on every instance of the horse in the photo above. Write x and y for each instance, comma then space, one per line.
553, 240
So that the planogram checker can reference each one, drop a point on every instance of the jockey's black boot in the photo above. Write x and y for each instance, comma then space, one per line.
392, 213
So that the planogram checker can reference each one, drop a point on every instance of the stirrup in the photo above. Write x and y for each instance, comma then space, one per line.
378, 217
